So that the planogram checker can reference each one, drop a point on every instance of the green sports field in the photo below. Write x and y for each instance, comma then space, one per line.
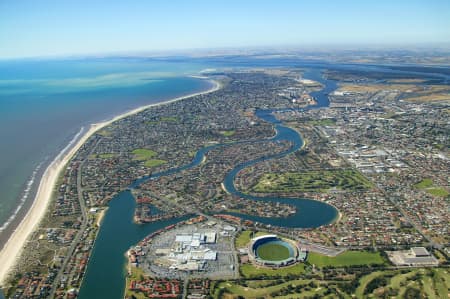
272, 252
348, 258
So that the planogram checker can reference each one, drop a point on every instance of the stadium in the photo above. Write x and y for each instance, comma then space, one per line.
271, 251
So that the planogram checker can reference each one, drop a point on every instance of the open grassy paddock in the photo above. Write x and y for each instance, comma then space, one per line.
154, 162
228, 133
166, 119
147, 156
428, 186
143, 154
347, 258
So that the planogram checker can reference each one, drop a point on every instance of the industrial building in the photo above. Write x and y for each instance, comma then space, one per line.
189, 251
416, 256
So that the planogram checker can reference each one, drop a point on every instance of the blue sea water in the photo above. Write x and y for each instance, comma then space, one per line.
44, 104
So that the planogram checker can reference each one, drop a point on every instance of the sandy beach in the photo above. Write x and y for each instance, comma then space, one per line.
14, 246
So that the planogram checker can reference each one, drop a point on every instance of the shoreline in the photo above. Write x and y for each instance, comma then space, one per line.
13, 248
30, 191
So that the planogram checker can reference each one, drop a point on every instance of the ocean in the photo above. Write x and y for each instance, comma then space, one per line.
46, 104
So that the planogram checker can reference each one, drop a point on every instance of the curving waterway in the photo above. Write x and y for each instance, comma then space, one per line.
105, 276
309, 213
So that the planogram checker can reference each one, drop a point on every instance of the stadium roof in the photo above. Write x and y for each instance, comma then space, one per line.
264, 237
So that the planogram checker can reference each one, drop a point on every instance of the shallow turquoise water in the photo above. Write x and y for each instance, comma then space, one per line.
44, 104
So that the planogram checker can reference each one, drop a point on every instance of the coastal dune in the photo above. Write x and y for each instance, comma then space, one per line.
14, 246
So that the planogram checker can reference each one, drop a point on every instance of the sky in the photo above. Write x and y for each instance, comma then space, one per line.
32, 28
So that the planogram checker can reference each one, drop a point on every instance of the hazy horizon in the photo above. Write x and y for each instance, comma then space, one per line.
77, 28
316, 50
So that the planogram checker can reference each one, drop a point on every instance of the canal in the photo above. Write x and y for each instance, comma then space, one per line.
105, 275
